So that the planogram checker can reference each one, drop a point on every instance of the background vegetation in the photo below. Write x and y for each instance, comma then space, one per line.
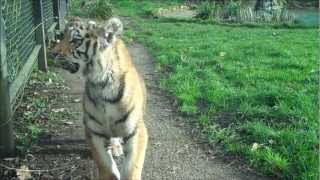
306, 2
253, 90
237, 12
91, 9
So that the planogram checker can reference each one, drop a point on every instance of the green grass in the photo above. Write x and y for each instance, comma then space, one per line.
253, 89
101, 9
134, 8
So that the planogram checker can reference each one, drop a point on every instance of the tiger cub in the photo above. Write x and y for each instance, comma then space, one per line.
114, 99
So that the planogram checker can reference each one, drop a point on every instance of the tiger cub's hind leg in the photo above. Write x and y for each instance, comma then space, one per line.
106, 165
135, 149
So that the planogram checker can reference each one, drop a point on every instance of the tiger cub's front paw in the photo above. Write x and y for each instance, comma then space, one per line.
116, 147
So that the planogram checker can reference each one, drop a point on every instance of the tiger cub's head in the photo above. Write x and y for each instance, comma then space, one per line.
83, 41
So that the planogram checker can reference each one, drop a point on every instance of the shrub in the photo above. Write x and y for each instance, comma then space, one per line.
207, 9
233, 11
91, 9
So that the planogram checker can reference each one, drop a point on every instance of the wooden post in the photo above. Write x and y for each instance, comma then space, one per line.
40, 35
7, 145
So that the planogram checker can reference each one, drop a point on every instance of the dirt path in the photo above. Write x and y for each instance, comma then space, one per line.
172, 152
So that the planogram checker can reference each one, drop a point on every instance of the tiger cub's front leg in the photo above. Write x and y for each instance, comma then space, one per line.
106, 165
135, 149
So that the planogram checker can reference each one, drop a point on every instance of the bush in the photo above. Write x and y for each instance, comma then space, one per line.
91, 9
206, 10
233, 11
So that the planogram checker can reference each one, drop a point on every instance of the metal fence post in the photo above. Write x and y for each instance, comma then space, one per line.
56, 12
7, 145
62, 12
59, 11
40, 35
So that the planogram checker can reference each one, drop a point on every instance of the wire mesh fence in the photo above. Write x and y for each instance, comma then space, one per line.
48, 13
25, 25
19, 22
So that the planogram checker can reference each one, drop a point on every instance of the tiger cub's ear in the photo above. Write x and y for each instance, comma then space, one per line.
112, 29
91, 25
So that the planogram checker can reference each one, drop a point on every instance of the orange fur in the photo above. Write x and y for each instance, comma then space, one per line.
118, 58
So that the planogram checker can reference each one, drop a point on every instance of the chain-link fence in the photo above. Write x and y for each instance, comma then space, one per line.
19, 22
48, 13
24, 26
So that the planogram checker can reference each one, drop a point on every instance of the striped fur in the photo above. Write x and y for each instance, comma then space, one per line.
114, 100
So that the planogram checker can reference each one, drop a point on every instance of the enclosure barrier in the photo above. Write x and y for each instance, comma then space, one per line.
25, 27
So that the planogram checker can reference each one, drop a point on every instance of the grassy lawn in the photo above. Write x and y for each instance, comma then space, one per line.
254, 90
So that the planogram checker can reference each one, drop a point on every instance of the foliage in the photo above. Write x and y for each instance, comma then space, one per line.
91, 9
38, 107
253, 89
303, 3
145, 7
233, 11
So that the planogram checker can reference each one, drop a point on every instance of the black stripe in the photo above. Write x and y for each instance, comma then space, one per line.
86, 70
120, 92
101, 84
76, 37
78, 32
87, 49
94, 132
125, 117
89, 65
92, 99
77, 42
80, 53
127, 138
95, 45
76, 54
93, 118
98, 134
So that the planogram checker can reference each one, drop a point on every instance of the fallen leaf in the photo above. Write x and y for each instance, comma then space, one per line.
255, 146
23, 173
58, 110
222, 54
49, 82
27, 113
69, 123
10, 159
271, 141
